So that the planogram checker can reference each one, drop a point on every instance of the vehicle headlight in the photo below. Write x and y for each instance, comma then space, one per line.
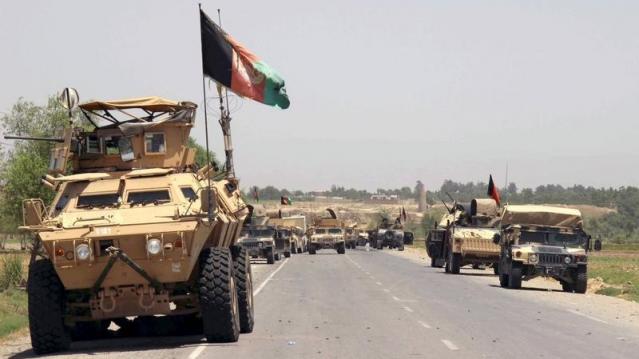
532, 258
153, 246
82, 251
567, 259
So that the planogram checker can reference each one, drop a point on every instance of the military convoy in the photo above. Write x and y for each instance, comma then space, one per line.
390, 234
135, 229
465, 236
543, 241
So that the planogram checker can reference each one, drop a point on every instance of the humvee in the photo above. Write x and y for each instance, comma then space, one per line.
259, 242
351, 234
390, 235
296, 225
135, 230
465, 236
543, 241
283, 239
327, 233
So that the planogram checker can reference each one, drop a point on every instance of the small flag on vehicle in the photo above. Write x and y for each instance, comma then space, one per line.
493, 191
285, 201
256, 194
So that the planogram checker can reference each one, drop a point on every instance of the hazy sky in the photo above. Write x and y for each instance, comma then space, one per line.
382, 92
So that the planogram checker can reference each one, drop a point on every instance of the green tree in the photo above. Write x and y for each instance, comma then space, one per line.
23, 165
200, 154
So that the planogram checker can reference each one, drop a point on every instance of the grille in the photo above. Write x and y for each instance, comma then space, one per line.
545, 258
250, 244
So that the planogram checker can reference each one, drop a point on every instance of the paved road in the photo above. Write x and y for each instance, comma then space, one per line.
381, 305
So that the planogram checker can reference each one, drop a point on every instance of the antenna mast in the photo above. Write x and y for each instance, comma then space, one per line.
225, 122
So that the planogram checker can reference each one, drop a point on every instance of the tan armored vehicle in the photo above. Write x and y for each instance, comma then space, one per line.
135, 230
327, 233
465, 236
259, 242
543, 241
351, 234
294, 228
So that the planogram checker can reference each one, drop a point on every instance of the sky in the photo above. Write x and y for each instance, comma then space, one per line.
383, 93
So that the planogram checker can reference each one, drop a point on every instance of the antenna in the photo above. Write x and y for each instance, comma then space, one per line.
506, 183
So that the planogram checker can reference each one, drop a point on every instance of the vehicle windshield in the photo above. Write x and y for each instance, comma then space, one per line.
553, 238
283, 233
97, 200
334, 231
148, 197
262, 232
320, 231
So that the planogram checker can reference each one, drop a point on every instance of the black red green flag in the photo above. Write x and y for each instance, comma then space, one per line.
493, 191
285, 201
256, 194
232, 65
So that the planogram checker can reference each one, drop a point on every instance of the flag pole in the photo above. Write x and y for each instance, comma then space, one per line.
225, 123
206, 126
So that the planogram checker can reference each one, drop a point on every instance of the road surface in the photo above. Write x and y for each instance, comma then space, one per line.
382, 304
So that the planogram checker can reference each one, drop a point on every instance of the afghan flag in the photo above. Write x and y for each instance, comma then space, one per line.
256, 194
493, 191
232, 65
285, 201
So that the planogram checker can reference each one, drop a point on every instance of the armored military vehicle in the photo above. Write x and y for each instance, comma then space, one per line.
465, 236
135, 229
351, 234
390, 234
295, 229
543, 241
259, 242
327, 233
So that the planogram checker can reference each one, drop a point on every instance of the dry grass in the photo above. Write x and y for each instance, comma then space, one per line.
13, 297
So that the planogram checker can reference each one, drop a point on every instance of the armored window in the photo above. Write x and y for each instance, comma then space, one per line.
97, 200
126, 149
154, 143
335, 231
320, 231
93, 144
111, 145
148, 197
188, 193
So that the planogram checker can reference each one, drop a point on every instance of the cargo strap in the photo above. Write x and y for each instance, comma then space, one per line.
115, 254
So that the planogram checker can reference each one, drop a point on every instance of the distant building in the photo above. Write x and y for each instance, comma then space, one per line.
384, 198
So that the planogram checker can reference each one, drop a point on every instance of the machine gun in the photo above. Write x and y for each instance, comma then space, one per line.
45, 139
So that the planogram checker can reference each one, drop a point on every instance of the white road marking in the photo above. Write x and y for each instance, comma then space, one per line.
386, 290
450, 345
395, 299
408, 309
378, 283
200, 348
423, 324
586, 316
367, 273
259, 289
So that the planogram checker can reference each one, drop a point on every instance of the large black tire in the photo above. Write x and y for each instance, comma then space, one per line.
244, 284
380, 244
341, 248
400, 247
455, 262
433, 262
567, 287
311, 249
218, 296
287, 254
277, 256
514, 277
270, 256
503, 280
581, 279
496, 268
47, 298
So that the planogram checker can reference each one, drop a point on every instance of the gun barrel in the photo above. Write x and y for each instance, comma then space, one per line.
48, 139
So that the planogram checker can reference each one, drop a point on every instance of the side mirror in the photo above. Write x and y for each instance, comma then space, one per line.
497, 238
